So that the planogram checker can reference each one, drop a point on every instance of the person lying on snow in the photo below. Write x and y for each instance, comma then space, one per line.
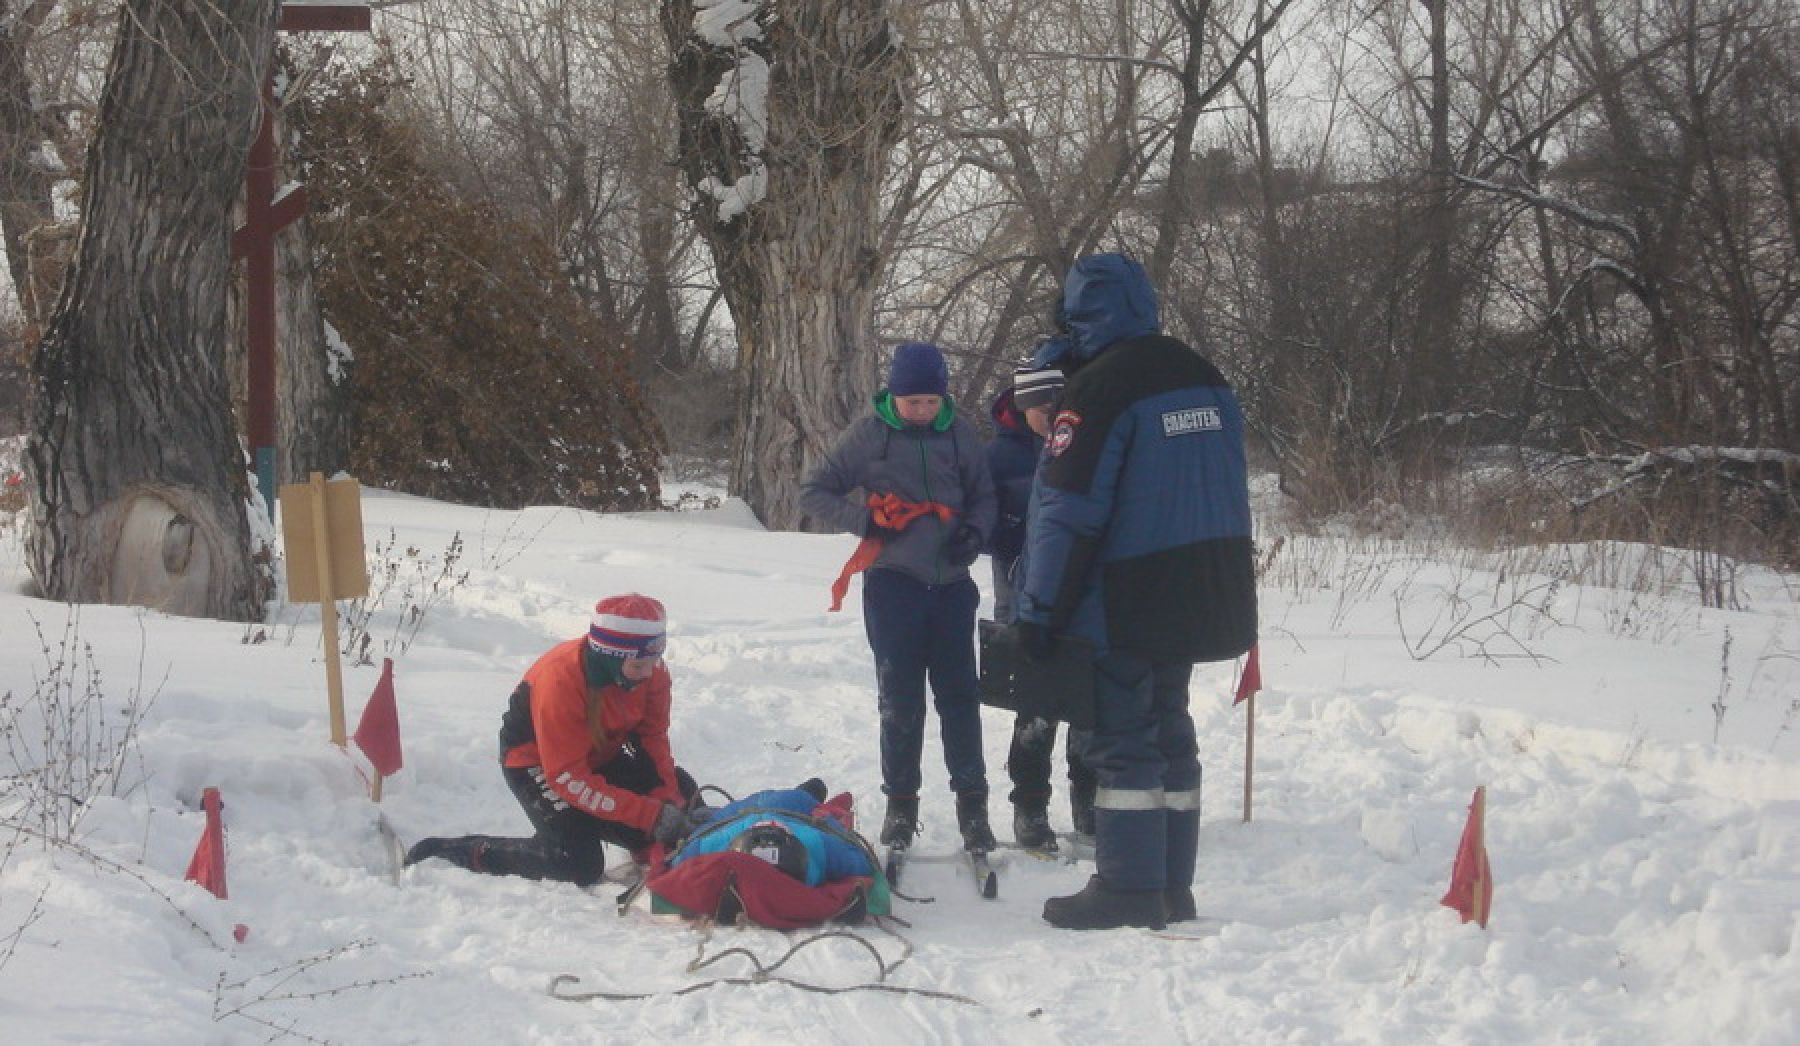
784, 857
584, 746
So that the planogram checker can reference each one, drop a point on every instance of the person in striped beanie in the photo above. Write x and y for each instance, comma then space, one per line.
1023, 415
584, 747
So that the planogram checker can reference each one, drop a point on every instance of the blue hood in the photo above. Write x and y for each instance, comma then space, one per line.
1107, 298
1053, 351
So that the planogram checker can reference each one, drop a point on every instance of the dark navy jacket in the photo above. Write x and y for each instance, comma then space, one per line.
1140, 532
1012, 460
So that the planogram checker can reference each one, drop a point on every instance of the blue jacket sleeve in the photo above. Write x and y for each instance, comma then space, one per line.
1068, 519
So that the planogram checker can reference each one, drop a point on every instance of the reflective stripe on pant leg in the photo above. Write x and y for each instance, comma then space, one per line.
1128, 799
1128, 815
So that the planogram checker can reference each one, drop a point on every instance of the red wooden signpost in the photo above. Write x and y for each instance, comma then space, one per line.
265, 214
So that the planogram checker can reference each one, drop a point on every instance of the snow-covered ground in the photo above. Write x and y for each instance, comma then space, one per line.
1647, 874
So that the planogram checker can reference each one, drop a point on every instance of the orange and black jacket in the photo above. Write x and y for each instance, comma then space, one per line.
551, 722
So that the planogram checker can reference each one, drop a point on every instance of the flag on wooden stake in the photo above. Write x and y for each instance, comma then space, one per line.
378, 732
207, 866
1471, 880
1251, 681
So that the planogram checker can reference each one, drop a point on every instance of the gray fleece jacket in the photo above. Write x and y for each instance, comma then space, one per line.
881, 454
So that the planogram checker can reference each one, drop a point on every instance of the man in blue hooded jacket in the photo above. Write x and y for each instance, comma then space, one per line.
1139, 542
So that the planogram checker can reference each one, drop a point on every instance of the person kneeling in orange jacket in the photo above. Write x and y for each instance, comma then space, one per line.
584, 746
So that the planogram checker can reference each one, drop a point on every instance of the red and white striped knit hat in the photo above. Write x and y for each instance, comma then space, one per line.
628, 626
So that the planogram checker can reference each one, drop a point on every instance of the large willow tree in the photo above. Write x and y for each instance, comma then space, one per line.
136, 481
788, 114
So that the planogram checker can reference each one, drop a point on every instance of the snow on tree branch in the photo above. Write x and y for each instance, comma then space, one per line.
1575, 212
741, 96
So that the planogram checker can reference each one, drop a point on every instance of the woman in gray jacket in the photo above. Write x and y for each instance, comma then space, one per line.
918, 599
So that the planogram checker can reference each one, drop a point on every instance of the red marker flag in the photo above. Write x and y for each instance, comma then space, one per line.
1471, 881
207, 866
378, 732
1251, 681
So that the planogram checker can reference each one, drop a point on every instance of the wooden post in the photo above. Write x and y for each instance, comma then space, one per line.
321, 524
328, 624
1249, 750
265, 214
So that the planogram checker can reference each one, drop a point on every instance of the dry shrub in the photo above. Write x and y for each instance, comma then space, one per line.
695, 409
479, 377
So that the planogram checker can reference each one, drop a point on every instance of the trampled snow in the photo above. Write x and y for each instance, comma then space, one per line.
1647, 874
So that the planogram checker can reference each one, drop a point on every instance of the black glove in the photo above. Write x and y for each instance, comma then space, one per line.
1038, 642
963, 547
672, 825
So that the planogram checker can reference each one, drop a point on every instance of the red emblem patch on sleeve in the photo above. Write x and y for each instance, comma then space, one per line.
1062, 432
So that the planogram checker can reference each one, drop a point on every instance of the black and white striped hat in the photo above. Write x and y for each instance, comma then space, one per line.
1036, 387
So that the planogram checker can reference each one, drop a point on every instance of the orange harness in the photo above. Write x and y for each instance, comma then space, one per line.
887, 510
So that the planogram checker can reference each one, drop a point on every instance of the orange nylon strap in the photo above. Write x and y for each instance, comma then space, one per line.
890, 511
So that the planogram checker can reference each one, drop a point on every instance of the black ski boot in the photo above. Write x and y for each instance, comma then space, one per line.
972, 819
498, 855
458, 851
1098, 908
1031, 827
1179, 901
901, 822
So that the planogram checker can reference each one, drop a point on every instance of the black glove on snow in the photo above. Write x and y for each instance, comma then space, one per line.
963, 547
672, 825
1038, 642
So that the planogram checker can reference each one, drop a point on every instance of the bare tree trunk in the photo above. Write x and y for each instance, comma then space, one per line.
790, 209
1433, 364
312, 374
312, 396
136, 480
25, 177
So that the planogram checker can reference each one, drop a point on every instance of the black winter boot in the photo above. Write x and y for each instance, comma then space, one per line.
1098, 908
1179, 901
814, 787
459, 851
1031, 828
901, 822
972, 819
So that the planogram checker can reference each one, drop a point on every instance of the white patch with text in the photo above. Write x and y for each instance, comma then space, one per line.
1194, 419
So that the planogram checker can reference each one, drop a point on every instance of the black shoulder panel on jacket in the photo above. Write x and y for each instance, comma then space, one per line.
1105, 389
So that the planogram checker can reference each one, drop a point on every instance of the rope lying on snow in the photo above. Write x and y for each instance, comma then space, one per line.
766, 974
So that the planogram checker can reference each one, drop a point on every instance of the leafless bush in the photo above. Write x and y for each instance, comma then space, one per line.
405, 584
253, 998
64, 741
64, 745
511, 542
1464, 622
695, 409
